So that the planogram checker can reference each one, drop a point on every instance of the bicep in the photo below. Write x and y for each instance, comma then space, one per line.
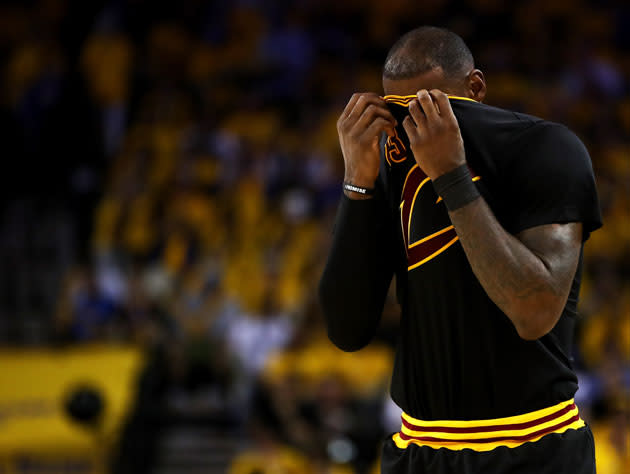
558, 247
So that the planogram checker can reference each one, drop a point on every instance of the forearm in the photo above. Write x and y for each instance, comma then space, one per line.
518, 281
358, 271
357, 275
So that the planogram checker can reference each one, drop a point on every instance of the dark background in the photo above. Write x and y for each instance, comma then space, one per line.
171, 171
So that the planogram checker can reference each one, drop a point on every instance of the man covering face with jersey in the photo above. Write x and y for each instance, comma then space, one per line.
482, 214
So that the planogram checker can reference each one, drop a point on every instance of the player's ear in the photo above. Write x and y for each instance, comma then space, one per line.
477, 85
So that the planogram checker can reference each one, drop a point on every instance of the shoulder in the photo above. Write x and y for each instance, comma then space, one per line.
549, 158
550, 132
550, 143
492, 114
521, 136
512, 139
493, 125
525, 131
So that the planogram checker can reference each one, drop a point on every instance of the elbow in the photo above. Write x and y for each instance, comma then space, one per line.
535, 318
533, 325
528, 333
341, 333
347, 342
339, 316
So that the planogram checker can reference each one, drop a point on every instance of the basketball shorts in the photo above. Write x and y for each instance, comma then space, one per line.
554, 440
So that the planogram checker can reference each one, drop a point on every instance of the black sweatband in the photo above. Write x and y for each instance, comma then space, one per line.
456, 188
358, 189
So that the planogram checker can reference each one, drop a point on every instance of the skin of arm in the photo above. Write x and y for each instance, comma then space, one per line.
364, 118
527, 276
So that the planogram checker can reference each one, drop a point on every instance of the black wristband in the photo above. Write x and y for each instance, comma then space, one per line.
358, 189
456, 188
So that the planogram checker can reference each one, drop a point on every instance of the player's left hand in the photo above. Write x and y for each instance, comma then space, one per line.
435, 139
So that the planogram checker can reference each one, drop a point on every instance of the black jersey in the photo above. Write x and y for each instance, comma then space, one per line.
459, 356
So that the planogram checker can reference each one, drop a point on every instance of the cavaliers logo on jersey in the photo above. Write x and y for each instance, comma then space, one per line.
395, 150
426, 228
421, 250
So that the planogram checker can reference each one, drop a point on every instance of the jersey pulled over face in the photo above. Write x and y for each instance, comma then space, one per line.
459, 356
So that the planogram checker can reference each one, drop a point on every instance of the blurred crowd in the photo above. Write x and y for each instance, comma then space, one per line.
175, 173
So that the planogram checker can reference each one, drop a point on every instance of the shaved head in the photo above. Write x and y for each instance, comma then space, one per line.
425, 49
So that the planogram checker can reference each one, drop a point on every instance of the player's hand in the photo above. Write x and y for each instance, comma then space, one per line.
435, 139
360, 125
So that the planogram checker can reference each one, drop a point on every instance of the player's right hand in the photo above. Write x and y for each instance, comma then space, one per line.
360, 125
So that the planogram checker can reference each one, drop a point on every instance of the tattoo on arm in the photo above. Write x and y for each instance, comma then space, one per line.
527, 276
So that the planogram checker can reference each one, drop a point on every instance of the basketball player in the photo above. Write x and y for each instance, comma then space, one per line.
482, 215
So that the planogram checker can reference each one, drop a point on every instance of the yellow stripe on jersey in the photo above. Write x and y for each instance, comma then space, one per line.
486, 435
